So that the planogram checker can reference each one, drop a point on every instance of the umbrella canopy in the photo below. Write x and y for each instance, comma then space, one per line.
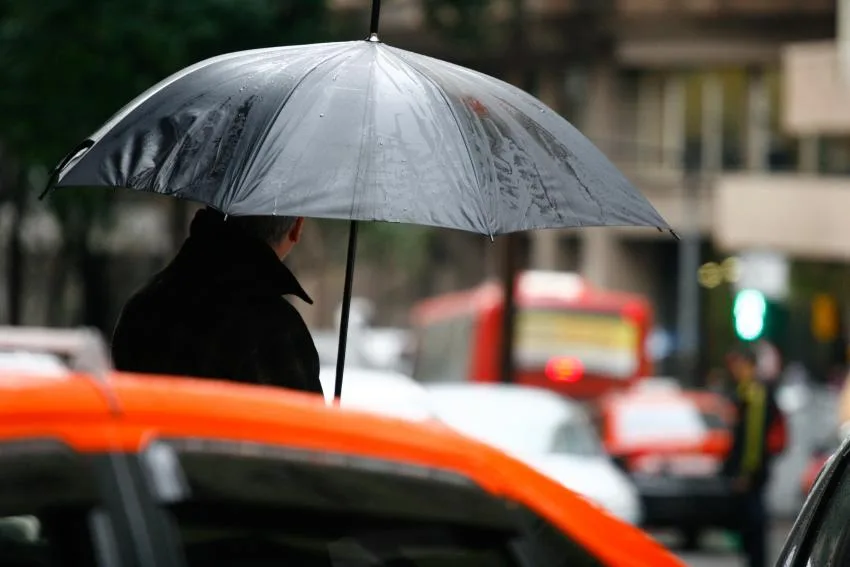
359, 131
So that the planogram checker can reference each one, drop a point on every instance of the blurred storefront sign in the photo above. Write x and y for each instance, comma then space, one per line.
765, 271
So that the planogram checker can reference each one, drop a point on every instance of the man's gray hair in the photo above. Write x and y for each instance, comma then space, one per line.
269, 229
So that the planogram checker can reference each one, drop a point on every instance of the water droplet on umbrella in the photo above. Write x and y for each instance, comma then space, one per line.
322, 115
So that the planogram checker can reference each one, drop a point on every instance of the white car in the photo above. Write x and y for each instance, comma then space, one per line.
546, 431
380, 391
372, 347
27, 362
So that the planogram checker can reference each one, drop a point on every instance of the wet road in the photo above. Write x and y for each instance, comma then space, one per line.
718, 549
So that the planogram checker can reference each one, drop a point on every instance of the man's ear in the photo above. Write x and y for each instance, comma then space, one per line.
295, 232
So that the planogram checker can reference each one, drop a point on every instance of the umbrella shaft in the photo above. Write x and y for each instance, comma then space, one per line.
346, 307
376, 16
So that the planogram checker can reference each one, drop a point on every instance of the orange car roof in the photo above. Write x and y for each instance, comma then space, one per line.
83, 413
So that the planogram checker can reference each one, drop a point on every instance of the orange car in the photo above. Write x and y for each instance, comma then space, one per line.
673, 444
144, 471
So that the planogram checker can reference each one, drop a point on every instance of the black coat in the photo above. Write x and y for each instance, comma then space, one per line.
218, 311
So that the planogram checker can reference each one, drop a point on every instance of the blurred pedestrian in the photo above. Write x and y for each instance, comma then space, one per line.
748, 463
218, 309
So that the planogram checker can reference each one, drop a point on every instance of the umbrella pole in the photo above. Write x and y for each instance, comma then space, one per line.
346, 307
376, 17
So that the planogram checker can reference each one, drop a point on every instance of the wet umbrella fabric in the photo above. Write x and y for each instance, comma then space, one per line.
359, 131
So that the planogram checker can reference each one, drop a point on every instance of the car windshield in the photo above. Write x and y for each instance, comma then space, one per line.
714, 420
668, 420
576, 437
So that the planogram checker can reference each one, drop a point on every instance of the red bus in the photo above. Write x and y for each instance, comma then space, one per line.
570, 337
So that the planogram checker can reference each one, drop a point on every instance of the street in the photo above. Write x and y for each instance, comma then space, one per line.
718, 549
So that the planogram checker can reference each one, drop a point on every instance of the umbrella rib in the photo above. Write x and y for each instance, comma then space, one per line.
432, 82
367, 98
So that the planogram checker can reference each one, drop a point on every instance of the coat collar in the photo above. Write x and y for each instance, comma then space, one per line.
242, 257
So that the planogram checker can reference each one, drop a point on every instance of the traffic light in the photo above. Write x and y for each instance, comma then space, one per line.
749, 313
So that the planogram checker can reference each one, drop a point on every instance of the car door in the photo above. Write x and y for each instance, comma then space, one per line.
252, 504
820, 535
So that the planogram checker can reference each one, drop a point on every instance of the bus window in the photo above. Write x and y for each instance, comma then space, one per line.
443, 351
607, 344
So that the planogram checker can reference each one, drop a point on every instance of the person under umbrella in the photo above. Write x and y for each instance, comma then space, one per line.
218, 309
749, 461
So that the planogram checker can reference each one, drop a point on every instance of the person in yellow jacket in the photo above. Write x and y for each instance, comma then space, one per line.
748, 463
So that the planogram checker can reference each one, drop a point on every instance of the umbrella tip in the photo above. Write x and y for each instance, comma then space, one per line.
373, 38
674, 234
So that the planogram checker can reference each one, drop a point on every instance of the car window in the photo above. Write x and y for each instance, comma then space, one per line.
49, 506
647, 421
714, 421
576, 437
830, 539
606, 343
250, 505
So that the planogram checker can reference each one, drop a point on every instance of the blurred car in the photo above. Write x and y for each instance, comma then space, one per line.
385, 346
818, 457
327, 345
382, 391
673, 444
108, 469
21, 361
820, 535
543, 429
381, 348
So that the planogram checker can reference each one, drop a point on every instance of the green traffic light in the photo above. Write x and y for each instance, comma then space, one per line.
749, 312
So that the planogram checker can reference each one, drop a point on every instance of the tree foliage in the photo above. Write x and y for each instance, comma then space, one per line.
69, 65
468, 22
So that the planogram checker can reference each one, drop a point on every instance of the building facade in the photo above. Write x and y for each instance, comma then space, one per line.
725, 113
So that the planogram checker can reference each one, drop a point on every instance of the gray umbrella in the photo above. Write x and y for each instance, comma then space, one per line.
360, 131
